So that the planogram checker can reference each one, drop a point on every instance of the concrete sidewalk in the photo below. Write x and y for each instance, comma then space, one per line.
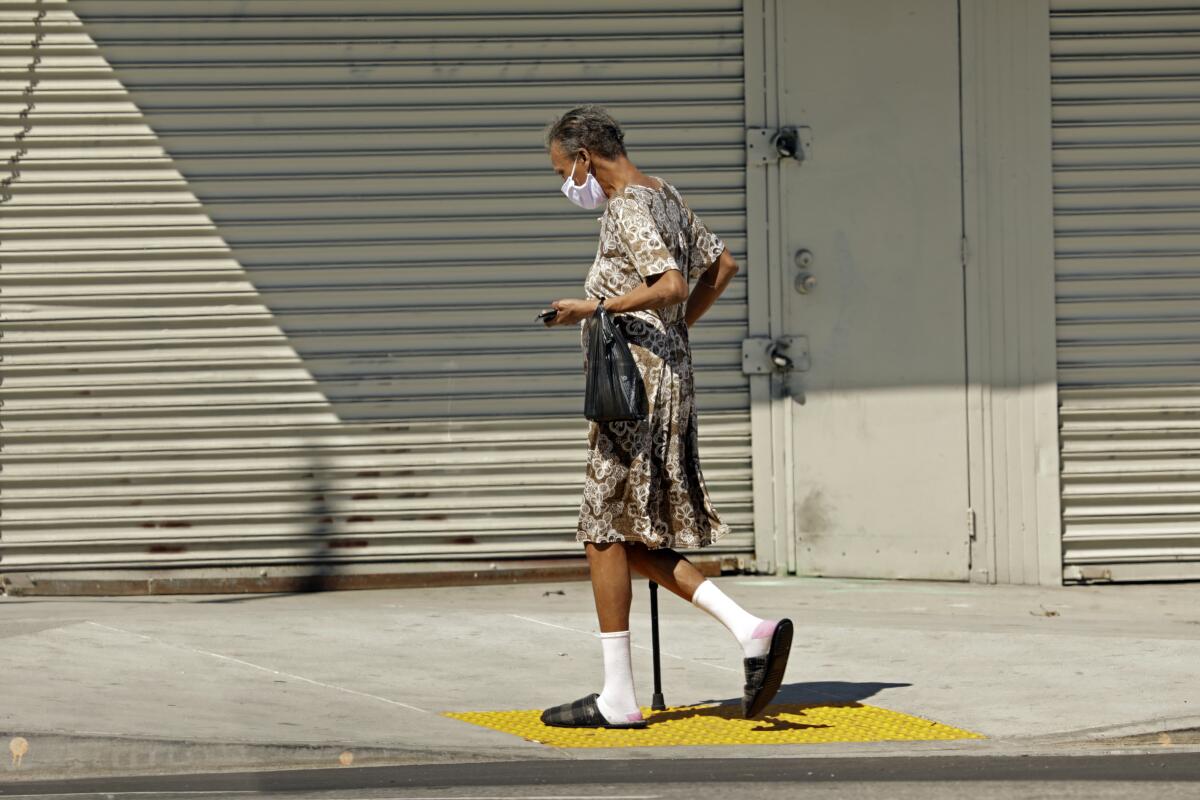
188, 683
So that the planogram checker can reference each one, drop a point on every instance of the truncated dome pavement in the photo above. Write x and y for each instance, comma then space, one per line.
723, 724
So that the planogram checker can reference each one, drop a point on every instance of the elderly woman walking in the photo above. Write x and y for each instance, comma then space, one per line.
644, 494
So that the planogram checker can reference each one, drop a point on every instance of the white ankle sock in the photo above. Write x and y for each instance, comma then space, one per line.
617, 701
752, 633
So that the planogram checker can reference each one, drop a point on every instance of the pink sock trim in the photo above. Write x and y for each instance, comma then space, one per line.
634, 717
765, 629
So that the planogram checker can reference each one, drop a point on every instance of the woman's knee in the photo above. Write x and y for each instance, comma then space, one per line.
603, 550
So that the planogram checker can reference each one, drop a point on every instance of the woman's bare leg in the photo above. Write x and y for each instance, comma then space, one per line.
613, 593
765, 643
665, 567
670, 569
610, 584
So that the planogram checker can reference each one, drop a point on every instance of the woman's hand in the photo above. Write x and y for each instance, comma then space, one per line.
572, 311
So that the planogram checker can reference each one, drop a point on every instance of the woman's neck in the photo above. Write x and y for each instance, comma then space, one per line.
620, 174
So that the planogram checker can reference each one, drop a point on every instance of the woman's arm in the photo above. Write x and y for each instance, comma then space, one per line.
668, 288
710, 286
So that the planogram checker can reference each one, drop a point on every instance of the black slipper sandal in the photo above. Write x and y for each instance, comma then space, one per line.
583, 713
764, 674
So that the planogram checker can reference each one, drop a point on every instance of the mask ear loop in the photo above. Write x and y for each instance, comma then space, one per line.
571, 177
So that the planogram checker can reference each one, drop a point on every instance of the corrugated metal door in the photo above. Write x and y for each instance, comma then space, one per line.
271, 266
1126, 104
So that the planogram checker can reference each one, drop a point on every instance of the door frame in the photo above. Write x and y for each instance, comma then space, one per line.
1008, 246
774, 540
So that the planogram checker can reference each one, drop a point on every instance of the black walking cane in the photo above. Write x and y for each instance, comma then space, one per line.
656, 701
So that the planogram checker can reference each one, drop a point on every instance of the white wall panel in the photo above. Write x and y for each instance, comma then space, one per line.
1009, 268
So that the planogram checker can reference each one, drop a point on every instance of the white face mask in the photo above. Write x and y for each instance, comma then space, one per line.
589, 195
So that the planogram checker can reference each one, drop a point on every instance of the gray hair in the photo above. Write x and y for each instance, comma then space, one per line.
590, 127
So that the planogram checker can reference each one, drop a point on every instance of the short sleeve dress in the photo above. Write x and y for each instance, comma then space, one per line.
643, 480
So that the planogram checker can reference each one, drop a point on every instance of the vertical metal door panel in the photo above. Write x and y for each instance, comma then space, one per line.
1126, 105
878, 418
270, 268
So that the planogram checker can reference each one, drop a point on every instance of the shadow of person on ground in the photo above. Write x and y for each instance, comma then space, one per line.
729, 712
812, 694
818, 693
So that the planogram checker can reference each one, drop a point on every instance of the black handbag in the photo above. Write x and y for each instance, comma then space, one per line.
615, 390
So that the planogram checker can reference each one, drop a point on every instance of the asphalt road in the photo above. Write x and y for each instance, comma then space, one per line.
1091, 776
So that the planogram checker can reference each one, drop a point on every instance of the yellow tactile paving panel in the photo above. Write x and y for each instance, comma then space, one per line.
717, 724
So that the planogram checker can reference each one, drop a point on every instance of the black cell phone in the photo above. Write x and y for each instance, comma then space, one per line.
547, 315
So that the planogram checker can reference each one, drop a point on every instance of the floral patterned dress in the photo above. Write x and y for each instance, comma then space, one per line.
643, 478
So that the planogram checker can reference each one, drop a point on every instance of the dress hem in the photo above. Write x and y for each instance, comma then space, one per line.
658, 544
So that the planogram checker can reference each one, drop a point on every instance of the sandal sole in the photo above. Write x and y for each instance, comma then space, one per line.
606, 725
777, 660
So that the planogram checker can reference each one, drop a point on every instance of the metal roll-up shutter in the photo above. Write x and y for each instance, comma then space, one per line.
1126, 107
270, 271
